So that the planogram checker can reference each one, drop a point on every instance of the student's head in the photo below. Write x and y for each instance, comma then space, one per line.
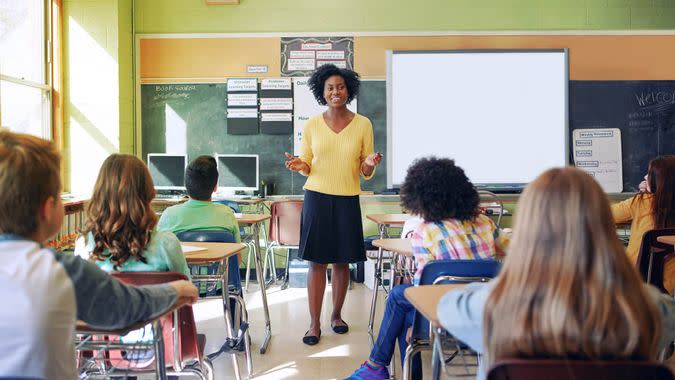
120, 217
30, 183
437, 189
334, 86
201, 178
661, 183
567, 288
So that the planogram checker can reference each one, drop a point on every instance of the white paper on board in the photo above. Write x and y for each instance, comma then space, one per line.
268, 104
340, 64
242, 84
330, 54
242, 113
275, 84
242, 99
316, 46
303, 64
276, 116
597, 151
302, 54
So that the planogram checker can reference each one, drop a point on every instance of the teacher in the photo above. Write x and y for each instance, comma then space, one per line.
336, 147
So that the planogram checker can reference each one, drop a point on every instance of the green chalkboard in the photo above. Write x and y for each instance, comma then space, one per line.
372, 103
192, 118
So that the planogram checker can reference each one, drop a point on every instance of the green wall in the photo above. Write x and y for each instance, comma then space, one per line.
98, 44
194, 16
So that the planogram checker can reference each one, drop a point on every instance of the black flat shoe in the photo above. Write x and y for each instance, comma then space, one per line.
311, 340
340, 329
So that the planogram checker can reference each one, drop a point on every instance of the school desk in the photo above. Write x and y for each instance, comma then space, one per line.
425, 299
384, 222
220, 253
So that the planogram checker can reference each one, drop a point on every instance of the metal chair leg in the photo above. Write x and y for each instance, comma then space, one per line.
248, 265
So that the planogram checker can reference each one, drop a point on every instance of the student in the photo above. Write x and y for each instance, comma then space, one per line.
653, 207
566, 290
120, 231
44, 292
199, 213
438, 191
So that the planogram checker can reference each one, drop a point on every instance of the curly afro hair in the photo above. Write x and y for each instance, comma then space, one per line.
318, 78
437, 189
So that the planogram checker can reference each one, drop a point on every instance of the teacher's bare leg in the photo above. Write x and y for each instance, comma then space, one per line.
339, 284
316, 285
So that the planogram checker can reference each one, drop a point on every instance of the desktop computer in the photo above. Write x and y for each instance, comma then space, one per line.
168, 174
238, 174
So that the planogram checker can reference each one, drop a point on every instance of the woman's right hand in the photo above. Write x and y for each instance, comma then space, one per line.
187, 293
643, 187
295, 164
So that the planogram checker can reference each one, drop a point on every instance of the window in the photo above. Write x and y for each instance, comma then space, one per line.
25, 85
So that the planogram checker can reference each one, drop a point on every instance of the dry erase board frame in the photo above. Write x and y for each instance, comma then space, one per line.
506, 106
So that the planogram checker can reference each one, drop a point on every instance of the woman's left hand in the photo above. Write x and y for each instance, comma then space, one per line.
373, 159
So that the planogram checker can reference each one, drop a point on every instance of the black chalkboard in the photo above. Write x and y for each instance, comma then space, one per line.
644, 111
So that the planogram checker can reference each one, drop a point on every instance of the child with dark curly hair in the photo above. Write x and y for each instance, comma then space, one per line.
438, 191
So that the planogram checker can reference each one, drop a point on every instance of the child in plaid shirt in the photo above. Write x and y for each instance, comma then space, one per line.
452, 228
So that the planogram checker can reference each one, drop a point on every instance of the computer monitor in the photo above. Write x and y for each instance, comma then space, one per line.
167, 170
237, 172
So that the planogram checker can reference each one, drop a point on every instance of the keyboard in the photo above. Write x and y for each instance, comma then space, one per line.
169, 196
232, 196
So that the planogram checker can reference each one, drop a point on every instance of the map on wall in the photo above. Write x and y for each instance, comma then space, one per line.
301, 55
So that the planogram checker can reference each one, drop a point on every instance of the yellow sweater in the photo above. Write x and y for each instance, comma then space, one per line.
637, 210
334, 160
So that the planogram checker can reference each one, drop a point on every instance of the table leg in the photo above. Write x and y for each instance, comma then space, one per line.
377, 281
263, 290
436, 353
226, 311
159, 350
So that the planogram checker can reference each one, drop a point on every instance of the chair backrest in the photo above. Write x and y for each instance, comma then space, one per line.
229, 203
187, 334
215, 236
652, 257
452, 272
550, 369
285, 222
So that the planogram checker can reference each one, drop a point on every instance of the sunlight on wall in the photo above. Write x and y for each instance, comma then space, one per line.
176, 132
94, 106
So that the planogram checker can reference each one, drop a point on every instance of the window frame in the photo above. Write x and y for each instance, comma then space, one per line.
48, 128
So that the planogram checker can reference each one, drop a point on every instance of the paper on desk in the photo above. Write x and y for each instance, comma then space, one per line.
191, 248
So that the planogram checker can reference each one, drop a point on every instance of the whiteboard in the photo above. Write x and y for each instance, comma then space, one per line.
500, 114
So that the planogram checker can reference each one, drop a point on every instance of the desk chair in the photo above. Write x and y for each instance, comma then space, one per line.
652, 257
493, 197
246, 237
445, 272
184, 348
234, 292
285, 229
550, 369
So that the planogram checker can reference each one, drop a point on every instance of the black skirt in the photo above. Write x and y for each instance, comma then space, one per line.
331, 231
